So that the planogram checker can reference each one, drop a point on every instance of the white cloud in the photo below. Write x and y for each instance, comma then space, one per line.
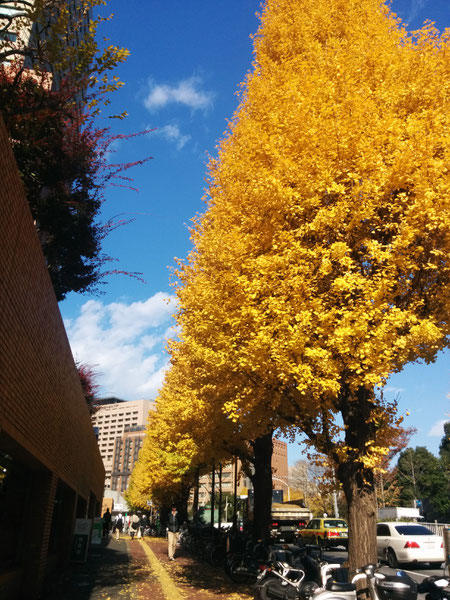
438, 428
394, 391
415, 9
124, 344
172, 133
187, 92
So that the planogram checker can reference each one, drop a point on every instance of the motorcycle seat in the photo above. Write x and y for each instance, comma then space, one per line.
337, 586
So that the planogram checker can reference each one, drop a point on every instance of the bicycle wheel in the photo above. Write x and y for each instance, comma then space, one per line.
238, 572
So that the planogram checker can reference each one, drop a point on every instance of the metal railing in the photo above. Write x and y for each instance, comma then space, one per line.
437, 528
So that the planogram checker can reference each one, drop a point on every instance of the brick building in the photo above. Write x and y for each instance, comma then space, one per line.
279, 470
280, 466
50, 468
228, 482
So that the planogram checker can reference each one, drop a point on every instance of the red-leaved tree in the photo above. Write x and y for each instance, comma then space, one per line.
63, 159
89, 385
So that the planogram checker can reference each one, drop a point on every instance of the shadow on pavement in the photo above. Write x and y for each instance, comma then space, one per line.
107, 572
201, 576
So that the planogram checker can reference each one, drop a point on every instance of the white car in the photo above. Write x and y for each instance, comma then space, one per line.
399, 542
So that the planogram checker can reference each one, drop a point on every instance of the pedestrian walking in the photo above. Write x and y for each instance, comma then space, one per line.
134, 525
118, 525
142, 522
173, 528
106, 523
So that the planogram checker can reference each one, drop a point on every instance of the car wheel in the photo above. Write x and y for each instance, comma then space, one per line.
300, 540
391, 558
435, 565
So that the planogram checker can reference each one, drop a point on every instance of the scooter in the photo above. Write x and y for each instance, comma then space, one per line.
285, 583
435, 588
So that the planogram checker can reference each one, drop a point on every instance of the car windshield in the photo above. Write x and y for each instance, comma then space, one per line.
335, 523
413, 530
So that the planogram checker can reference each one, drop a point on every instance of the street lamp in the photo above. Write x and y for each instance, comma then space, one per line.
282, 481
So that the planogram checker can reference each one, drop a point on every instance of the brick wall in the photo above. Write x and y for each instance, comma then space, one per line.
44, 420
41, 402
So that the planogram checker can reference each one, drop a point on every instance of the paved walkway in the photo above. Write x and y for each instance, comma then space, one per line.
140, 570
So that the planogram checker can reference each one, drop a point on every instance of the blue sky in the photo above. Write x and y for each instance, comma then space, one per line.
187, 60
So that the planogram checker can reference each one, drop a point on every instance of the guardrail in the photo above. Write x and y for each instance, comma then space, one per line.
437, 528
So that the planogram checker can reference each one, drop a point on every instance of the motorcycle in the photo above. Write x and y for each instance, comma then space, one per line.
435, 588
283, 582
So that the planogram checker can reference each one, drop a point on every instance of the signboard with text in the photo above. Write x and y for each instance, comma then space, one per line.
97, 529
80, 541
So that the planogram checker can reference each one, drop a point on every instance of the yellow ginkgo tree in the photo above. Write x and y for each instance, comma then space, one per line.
184, 434
208, 301
324, 248
169, 456
190, 431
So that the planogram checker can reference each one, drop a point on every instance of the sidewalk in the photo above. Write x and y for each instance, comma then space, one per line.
140, 570
108, 573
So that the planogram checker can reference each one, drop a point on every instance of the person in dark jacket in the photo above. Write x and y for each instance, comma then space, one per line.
118, 525
106, 523
134, 525
173, 527
142, 526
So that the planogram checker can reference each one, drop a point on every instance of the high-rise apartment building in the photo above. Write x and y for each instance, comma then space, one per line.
126, 452
20, 36
15, 27
120, 427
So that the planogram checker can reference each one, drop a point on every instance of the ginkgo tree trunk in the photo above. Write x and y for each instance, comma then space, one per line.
328, 223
